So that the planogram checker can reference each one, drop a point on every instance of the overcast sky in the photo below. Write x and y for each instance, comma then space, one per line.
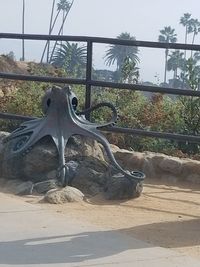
106, 18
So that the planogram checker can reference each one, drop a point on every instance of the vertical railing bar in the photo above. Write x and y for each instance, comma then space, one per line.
88, 77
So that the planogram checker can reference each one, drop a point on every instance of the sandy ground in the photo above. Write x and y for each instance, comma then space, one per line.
165, 215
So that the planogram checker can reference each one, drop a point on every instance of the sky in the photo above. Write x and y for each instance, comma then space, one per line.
104, 18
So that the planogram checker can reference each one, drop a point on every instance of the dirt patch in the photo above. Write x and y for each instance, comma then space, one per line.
10, 66
165, 215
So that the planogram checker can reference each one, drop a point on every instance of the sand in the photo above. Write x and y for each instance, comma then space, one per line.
165, 215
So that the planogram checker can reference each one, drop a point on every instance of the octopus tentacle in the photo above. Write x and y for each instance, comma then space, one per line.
103, 104
95, 134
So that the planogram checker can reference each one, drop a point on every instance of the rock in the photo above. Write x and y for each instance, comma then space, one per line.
72, 170
81, 147
67, 194
172, 165
24, 188
30, 167
17, 187
169, 178
156, 159
190, 166
11, 185
52, 174
89, 169
129, 159
45, 186
89, 180
3, 182
148, 168
39, 164
119, 187
2, 136
193, 178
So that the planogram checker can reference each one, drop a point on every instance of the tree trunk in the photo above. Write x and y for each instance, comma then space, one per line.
23, 26
185, 54
193, 38
50, 28
165, 73
186, 33
175, 73
61, 28
54, 22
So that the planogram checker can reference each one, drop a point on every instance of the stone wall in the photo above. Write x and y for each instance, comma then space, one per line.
159, 166
154, 165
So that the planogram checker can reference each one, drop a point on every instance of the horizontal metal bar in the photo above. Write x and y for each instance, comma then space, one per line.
100, 40
115, 129
135, 87
163, 135
146, 88
22, 77
10, 116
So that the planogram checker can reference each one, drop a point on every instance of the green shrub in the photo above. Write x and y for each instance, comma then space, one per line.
160, 113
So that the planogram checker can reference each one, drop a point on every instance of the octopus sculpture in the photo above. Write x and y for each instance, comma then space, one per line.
61, 121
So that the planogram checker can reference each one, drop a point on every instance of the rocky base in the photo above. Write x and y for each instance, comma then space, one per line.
89, 170
36, 171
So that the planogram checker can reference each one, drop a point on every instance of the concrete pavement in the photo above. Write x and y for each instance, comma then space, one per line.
30, 235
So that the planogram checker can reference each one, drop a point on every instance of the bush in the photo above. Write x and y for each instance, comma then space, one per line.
160, 113
26, 100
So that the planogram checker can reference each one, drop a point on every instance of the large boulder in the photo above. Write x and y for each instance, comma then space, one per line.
88, 169
38, 164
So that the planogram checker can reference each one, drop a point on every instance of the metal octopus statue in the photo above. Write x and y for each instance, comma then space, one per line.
61, 121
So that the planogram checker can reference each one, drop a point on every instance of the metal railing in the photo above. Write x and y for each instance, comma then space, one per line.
89, 82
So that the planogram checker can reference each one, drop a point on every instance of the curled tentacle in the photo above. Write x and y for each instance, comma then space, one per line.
135, 176
103, 104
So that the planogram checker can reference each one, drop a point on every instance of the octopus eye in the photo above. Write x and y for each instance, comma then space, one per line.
21, 142
74, 103
48, 102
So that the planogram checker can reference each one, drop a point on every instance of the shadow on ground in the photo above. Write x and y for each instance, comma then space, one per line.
66, 248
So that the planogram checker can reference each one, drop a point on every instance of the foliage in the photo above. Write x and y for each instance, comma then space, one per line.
190, 112
130, 73
175, 62
161, 113
167, 35
72, 58
26, 100
45, 69
119, 53
63, 5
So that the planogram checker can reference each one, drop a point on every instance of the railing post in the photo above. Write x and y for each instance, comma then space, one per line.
88, 77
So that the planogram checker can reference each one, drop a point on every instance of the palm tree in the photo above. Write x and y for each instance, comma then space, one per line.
64, 6
167, 35
185, 21
23, 27
194, 27
196, 57
118, 53
71, 58
175, 62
